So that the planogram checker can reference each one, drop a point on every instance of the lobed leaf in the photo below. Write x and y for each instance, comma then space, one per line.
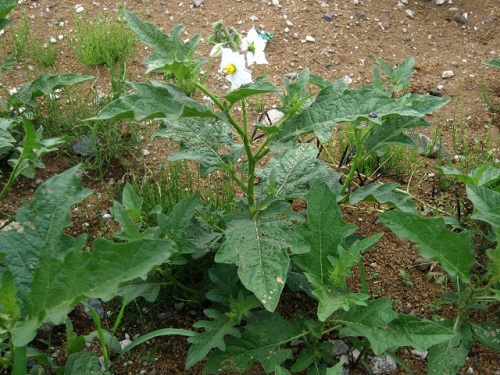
259, 87
385, 329
454, 251
291, 173
154, 101
212, 337
448, 357
387, 193
44, 85
260, 247
202, 141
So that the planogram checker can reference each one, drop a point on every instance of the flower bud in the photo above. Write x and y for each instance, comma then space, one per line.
217, 25
216, 50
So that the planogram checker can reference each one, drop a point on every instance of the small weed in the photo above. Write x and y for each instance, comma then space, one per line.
102, 41
44, 53
20, 33
406, 278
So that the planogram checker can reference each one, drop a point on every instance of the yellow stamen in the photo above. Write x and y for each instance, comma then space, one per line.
229, 69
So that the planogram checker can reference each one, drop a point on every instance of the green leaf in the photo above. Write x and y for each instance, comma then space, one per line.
487, 205
154, 101
324, 232
335, 104
8, 304
52, 273
448, 357
212, 336
278, 370
488, 333
291, 173
202, 141
132, 202
44, 85
6, 7
74, 342
262, 341
387, 193
391, 132
83, 363
385, 329
7, 141
494, 62
225, 282
454, 251
259, 87
259, 246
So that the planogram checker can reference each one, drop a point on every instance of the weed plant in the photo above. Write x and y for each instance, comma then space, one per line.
102, 41
44, 54
19, 35
62, 115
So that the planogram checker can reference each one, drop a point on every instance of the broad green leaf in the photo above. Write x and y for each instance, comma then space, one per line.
424, 104
83, 363
494, 62
202, 141
448, 357
335, 104
8, 303
387, 193
331, 300
391, 132
400, 76
7, 141
58, 285
74, 342
454, 251
336, 370
385, 329
292, 172
487, 205
6, 7
278, 370
259, 87
259, 246
44, 85
52, 273
212, 337
173, 226
225, 282
132, 202
488, 333
262, 341
154, 101
484, 175
148, 289
324, 232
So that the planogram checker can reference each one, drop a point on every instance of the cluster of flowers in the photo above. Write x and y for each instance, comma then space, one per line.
234, 64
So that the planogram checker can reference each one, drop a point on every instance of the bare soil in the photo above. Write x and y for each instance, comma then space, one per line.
343, 46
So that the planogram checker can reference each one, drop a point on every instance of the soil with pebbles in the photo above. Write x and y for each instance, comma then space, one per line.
333, 39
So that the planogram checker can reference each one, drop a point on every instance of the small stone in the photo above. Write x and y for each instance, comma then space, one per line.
145, 152
361, 16
106, 216
309, 38
383, 365
253, 18
272, 117
96, 304
440, 2
409, 13
426, 147
79, 8
460, 18
289, 23
435, 91
86, 145
164, 315
422, 264
328, 17
447, 74
339, 348
421, 355
197, 3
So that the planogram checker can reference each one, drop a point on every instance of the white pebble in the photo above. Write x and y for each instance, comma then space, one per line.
409, 13
60, 37
254, 18
53, 40
447, 74
309, 38
145, 152
78, 8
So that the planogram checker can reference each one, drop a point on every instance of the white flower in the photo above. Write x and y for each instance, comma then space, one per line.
233, 66
254, 47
